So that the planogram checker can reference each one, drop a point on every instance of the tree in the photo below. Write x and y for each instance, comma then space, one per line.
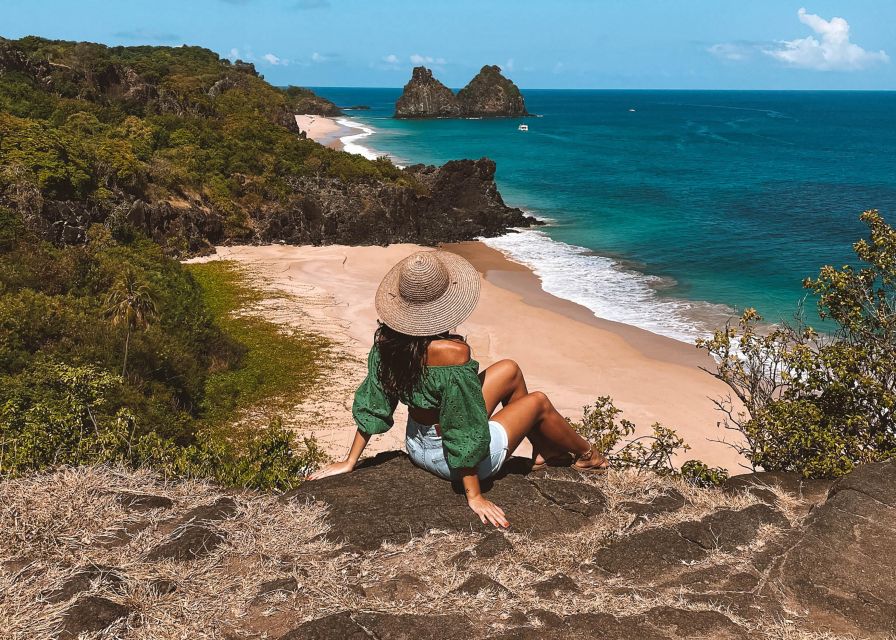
130, 302
819, 403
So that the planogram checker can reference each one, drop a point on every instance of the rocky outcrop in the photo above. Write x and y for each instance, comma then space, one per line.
545, 506
392, 552
426, 97
454, 202
488, 95
303, 100
841, 570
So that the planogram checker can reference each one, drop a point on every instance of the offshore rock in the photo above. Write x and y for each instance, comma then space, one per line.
488, 95
426, 97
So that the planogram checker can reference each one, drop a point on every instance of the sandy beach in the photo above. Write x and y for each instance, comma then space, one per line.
325, 131
562, 348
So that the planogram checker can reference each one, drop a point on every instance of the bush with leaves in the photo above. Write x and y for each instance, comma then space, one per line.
601, 425
817, 403
62, 420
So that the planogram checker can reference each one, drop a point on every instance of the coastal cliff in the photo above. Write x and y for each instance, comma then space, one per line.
489, 95
194, 151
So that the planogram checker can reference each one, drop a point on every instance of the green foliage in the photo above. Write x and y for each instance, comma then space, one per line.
601, 425
190, 372
700, 474
108, 125
814, 403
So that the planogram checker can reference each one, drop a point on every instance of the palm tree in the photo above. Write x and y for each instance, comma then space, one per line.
131, 303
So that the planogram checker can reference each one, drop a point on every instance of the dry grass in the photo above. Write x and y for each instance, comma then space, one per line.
55, 522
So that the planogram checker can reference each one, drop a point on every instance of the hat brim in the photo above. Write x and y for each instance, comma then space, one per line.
436, 316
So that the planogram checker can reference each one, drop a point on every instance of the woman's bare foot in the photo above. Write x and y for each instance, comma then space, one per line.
592, 461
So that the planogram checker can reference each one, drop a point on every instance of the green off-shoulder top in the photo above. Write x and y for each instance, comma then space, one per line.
455, 390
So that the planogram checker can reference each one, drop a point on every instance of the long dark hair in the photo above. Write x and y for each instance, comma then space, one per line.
403, 360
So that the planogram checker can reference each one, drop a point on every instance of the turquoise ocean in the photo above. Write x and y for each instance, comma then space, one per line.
669, 210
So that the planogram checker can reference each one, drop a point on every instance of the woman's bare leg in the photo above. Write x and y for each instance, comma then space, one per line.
534, 414
502, 383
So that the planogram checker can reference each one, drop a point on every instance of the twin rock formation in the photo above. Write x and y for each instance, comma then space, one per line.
487, 95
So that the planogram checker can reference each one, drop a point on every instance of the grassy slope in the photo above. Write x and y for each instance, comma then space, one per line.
278, 368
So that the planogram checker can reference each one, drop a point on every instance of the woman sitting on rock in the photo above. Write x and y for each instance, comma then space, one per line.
451, 431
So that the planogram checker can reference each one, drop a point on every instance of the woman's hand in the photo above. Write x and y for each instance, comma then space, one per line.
488, 511
335, 469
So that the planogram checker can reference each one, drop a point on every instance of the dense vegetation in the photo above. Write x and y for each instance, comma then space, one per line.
819, 403
98, 128
111, 351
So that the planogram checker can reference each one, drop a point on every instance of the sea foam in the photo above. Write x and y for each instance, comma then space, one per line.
609, 289
350, 143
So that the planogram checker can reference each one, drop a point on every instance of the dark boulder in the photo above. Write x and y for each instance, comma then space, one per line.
90, 614
83, 578
188, 542
363, 517
220, 509
479, 582
143, 501
363, 626
760, 484
648, 554
685, 623
841, 573
557, 584
402, 588
728, 530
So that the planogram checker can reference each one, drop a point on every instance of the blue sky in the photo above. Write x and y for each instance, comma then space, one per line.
698, 44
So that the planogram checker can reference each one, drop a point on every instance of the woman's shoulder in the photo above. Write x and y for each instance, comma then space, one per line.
447, 353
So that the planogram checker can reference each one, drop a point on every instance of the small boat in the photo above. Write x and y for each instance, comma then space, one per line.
523, 127
632, 110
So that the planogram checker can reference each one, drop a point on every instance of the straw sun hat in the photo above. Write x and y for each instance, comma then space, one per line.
428, 293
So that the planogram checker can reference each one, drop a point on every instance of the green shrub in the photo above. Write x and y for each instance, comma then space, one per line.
189, 373
602, 426
815, 403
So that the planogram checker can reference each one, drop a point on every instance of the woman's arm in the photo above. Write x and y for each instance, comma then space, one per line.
487, 510
347, 465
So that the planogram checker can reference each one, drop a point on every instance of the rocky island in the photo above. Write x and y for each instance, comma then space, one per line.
488, 95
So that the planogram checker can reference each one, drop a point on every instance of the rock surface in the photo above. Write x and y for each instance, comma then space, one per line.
842, 570
363, 519
458, 201
90, 614
489, 94
426, 97
711, 564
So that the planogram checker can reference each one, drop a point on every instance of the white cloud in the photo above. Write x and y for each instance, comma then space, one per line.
390, 59
417, 59
558, 68
274, 60
833, 51
729, 51
508, 66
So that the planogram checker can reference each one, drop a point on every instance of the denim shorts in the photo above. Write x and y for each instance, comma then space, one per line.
424, 447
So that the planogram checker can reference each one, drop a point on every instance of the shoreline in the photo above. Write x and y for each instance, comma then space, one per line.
608, 288
562, 348
340, 133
